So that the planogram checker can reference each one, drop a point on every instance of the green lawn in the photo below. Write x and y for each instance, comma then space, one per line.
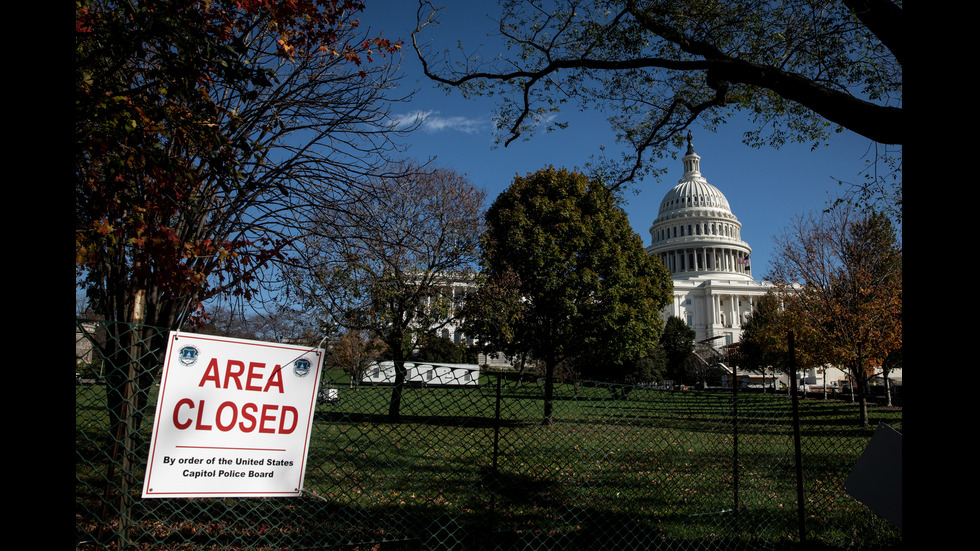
656, 466
660, 458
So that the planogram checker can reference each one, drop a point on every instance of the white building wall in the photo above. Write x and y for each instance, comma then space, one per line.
715, 307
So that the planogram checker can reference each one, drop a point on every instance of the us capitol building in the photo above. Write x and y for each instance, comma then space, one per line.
698, 239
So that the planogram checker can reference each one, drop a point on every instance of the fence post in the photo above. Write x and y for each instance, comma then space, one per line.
735, 445
493, 469
794, 392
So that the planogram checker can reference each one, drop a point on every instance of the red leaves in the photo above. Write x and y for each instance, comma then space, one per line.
306, 25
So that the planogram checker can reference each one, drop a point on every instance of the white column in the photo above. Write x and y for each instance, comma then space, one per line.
731, 309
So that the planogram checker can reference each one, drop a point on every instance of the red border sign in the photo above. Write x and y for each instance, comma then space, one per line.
233, 418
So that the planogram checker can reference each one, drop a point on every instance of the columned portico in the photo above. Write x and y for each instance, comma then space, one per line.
716, 259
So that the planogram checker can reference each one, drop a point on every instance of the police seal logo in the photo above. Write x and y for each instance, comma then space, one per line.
301, 367
188, 355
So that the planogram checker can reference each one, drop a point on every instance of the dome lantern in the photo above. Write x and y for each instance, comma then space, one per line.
692, 162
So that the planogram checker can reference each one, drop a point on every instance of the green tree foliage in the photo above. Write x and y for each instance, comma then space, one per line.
848, 267
763, 343
764, 346
433, 348
677, 342
650, 368
388, 263
568, 280
799, 69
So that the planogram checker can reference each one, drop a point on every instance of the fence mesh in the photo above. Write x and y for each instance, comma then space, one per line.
475, 468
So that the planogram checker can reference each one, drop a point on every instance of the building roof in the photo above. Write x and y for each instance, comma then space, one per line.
693, 193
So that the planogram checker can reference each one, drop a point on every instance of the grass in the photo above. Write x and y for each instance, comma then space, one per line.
654, 467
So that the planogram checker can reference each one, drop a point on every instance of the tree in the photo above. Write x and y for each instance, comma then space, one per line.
282, 323
393, 261
227, 321
677, 341
355, 351
648, 368
848, 265
569, 279
798, 68
764, 345
433, 348
494, 315
204, 132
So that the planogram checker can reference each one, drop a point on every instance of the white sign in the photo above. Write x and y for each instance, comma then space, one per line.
233, 418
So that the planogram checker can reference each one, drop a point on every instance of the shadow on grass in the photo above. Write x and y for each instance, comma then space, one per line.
526, 513
432, 420
315, 524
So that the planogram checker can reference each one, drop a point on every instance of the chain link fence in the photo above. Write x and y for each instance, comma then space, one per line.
474, 468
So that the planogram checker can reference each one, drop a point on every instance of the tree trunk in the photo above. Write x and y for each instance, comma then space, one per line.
864, 393
520, 372
549, 391
863, 405
394, 409
888, 388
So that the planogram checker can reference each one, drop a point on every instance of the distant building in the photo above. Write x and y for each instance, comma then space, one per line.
456, 289
698, 238
86, 334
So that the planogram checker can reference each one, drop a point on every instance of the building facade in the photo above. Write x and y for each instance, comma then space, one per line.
698, 238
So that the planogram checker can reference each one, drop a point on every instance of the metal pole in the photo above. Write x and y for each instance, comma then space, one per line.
801, 513
735, 444
493, 472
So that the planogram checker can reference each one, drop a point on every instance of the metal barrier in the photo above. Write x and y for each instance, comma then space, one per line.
474, 468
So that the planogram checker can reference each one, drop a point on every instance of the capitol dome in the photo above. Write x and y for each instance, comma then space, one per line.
696, 234
691, 193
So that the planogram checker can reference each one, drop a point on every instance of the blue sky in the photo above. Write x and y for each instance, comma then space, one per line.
766, 188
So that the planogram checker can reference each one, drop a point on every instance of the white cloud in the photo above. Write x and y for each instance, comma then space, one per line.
432, 121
